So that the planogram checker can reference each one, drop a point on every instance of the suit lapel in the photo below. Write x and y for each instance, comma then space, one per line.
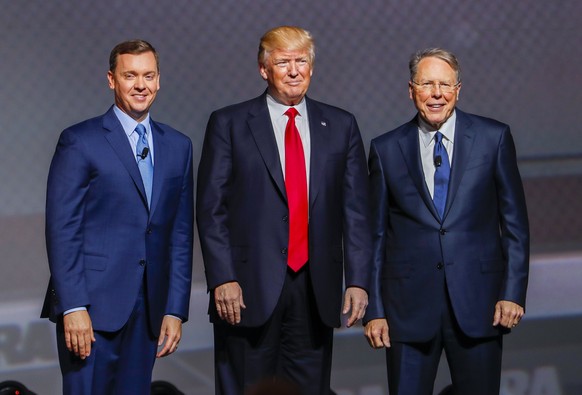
464, 138
409, 145
319, 132
261, 128
118, 140
161, 153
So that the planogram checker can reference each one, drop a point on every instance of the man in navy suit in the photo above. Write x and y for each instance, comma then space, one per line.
119, 236
451, 238
282, 210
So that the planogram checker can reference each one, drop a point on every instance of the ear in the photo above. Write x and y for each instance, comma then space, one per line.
111, 80
263, 71
410, 90
458, 90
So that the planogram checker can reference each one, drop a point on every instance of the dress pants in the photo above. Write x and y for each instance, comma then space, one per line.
474, 363
120, 362
293, 345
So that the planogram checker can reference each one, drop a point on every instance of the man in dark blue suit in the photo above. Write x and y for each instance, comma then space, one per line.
451, 238
282, 209
119, 224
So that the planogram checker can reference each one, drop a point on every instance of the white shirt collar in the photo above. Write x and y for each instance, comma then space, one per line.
427, 132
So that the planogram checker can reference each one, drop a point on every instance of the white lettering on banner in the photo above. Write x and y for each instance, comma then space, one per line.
28, 344
543, 380
367, 390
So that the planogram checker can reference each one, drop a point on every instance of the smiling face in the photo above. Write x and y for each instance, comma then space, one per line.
136, 82
288, 74
433, 105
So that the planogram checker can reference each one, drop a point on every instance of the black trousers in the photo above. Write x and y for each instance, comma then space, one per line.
474, 363
293, 345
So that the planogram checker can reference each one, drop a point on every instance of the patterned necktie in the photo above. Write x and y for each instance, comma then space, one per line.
296, 186
441, 174
144, 161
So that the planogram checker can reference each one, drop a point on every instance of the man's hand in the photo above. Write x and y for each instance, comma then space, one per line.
507, 314
356, 300
229, 302
376, 331
78, 333
170, 335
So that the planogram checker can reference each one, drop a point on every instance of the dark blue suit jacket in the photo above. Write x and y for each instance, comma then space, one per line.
102, 239
483, 240
242, 210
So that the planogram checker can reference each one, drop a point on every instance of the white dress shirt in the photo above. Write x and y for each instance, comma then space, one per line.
279, 122
426, 136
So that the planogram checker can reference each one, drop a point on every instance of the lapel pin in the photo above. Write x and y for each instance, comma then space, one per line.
323, 123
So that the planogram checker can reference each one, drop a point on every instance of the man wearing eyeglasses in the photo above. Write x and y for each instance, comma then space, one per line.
451, 251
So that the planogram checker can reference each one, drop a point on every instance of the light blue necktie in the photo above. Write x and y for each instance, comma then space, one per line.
144, 161
441, 174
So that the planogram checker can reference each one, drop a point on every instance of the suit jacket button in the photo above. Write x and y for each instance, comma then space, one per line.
284, 251
285, 218
149, 231
142, 262
443, 231
440, 265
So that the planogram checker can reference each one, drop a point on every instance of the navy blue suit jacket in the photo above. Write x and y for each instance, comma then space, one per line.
102, 239
481, 246
242, 212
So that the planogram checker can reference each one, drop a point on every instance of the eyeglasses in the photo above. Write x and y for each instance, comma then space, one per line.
430, 86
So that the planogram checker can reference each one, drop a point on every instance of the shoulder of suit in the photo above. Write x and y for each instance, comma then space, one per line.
243, 107
87, 126
168, 130
479, 120
397, 133
327, 109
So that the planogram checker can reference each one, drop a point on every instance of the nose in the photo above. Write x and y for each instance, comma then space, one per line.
436, 90
293, 69
139, 83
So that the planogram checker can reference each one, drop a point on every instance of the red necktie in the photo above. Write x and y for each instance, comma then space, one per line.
296, 186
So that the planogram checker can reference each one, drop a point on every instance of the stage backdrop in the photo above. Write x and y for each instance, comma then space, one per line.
520, 64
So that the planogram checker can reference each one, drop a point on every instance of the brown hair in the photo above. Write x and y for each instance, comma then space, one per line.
133, 47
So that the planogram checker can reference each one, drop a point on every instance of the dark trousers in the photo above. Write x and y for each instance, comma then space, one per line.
475, 364
292, 345
120, 362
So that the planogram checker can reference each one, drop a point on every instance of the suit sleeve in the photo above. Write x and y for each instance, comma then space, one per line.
514, 221
357, 231
214, 175
379, 205
68, 183
181, 246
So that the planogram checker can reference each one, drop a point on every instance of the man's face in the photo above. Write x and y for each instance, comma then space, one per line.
136, 82
434, 104
288, 73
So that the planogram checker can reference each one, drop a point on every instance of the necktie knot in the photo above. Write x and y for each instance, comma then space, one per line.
438, 137
140, 129
292, 112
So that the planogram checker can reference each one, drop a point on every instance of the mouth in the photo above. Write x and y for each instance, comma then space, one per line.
435, 107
